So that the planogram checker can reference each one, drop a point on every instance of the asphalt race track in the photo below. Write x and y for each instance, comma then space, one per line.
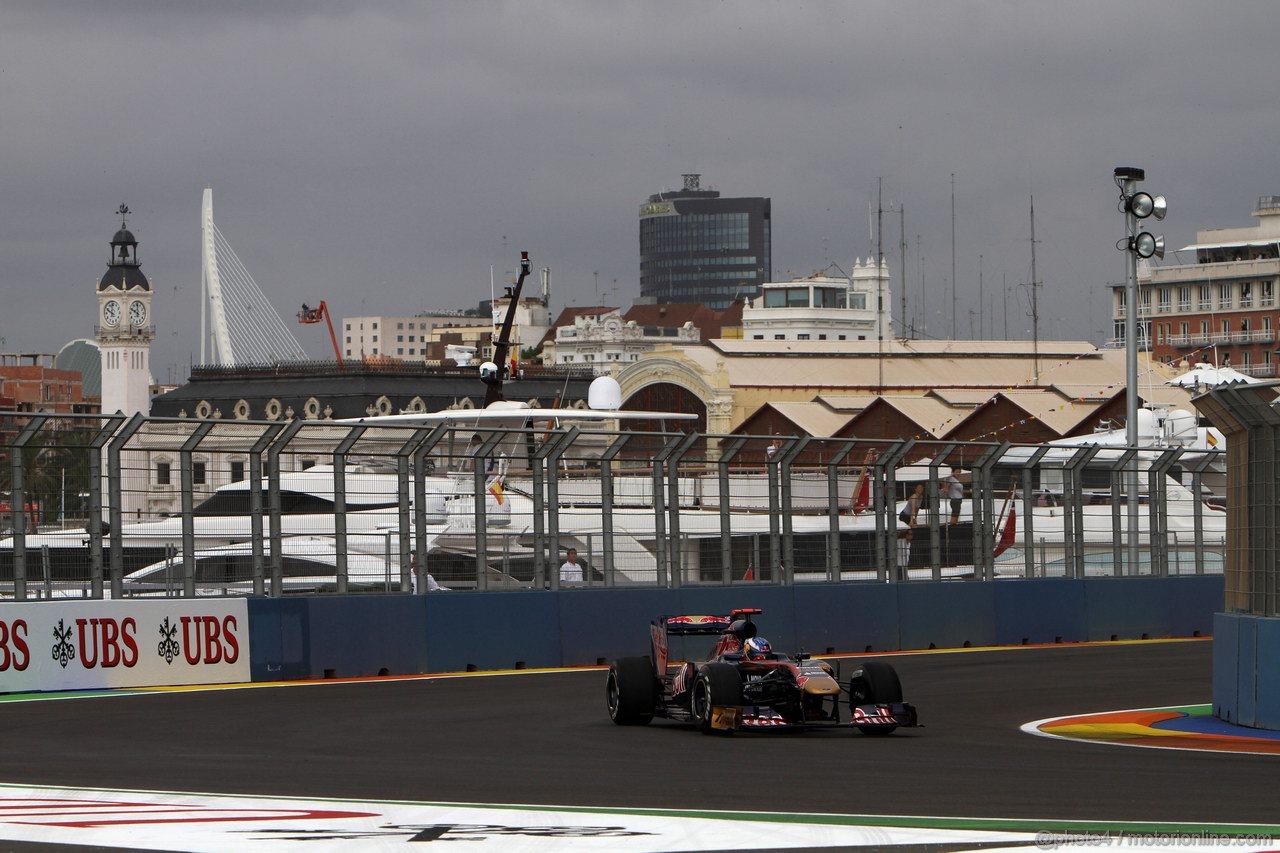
546, 739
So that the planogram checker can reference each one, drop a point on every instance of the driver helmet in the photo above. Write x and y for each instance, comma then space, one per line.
756, 648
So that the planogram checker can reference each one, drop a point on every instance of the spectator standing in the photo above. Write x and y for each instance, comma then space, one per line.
955, 492
571, 569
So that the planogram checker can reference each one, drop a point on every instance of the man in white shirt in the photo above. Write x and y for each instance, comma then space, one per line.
955, 492
571, 570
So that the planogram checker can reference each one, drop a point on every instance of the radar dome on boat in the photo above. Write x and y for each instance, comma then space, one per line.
1180, 426
605, 394
1147, 427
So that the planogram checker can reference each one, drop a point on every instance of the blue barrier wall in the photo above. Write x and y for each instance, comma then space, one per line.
339, 636
346, 636
1246, 660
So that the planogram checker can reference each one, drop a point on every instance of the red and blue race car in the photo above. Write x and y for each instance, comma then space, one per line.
745, 685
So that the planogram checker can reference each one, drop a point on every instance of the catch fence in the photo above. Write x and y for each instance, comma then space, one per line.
116, 507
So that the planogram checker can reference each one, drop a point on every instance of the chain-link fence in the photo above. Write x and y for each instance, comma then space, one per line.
1247, 414
162, 507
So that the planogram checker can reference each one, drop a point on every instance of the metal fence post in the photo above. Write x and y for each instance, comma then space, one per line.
1197, 506
18, 505
1119, 468
606, 504
984, 504
404, 508
480, 512
255, 505
94, 525
660, 550
1073, 510
1158, 504
114, 514
935, 518
1028, 513
551, 459
424, 446
186, 476
276, 533
340, 505
785, 456
673, 506
887, 510
729, 451
833, 508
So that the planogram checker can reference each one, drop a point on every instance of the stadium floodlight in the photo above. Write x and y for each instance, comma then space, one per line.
1142, 205
1145, 245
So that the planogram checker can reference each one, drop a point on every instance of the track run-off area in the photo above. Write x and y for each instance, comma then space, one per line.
531, 761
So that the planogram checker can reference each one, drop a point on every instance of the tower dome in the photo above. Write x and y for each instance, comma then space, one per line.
123, 271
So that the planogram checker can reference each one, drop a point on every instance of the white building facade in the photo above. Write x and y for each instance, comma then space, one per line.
1219, 304
608, 339
823, 307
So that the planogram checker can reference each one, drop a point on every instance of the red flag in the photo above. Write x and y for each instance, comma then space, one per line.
862, 495
751, 573
1008, 534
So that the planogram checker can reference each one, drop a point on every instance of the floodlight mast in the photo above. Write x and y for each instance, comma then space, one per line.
1127, 177
1135, 206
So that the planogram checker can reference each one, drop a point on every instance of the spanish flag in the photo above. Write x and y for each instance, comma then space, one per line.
495, 489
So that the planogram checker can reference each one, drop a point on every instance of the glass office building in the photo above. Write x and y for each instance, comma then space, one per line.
698, 247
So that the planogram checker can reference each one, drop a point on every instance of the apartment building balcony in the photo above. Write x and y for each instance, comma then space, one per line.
1118, 343
1257, 268
1258, 371
1202, 339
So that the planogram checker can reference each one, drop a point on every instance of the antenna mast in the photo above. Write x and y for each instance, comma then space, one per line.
902, 253
1035, 302
982, 330
953, 256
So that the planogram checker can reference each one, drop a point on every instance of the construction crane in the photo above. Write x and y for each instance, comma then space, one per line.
309, 316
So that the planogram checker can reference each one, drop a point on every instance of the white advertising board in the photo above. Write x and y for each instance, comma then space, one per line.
94, 644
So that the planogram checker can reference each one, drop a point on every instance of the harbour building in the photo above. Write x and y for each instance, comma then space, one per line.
1217, 303
696, 246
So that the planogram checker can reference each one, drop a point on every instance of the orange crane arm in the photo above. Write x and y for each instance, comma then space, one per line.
308, 316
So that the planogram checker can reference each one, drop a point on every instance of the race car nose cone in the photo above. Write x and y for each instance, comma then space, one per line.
821, 686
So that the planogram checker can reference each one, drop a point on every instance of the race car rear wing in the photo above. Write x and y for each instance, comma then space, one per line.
665, 626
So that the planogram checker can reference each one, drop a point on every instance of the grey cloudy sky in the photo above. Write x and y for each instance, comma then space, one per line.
382, 156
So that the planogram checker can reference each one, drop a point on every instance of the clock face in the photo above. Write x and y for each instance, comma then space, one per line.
111, 313
137, 313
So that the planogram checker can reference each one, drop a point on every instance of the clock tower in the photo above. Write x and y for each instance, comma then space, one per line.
124, 328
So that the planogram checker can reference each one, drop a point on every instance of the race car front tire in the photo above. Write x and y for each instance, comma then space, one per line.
718, 684
631, 691
874, 682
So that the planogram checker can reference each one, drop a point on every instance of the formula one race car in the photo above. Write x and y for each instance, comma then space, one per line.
745, 685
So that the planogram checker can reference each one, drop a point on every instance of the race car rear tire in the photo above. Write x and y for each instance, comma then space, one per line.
874, 682
716, 684
631, 691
